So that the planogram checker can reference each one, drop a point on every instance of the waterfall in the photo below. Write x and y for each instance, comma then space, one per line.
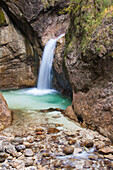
44, 79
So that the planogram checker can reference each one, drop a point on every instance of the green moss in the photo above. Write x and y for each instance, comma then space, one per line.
2, 18
48, 3
86, 16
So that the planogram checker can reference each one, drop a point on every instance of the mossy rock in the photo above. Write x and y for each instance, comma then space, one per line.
2, 18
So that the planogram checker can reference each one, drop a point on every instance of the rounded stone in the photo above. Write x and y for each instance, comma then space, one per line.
46, 154
29, 162
53, 130
20, 147
18, 140
28, 152
58, 164
68, 150
2, 157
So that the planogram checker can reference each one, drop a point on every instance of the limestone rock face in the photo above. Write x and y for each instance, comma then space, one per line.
60, 78
16, 58
95, 109
5, 113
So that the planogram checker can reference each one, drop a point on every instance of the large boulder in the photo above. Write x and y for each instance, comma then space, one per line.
5, 113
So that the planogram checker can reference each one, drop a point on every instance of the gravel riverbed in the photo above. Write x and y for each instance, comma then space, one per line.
51, 141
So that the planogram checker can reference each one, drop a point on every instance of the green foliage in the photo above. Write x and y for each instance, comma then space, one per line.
48, 3
2, 18
86, 16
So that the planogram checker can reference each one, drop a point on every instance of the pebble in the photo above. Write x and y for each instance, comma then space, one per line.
87, 143
11, 150
71, 142
99, 144
109, 157
39, 133
2, 149
30, 139
2, 157
18, 140
46, 154
53, 130
58, 164
20, 147
106, 150
29, 162
68, 150
28, 153
56, 116
39, 130
27, 144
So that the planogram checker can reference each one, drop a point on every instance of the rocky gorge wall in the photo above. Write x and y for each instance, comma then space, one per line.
25, 28
88, 58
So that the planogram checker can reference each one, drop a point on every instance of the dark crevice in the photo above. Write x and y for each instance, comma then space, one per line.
80, 119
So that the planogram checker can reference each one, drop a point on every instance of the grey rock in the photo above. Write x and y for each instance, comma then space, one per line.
20, 147
1, 147
18, 140
29, 162
28, 153
11, 150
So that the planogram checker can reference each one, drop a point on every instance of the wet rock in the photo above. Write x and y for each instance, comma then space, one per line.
99, 144
92, 157
5, 166
70, 113
56, 116
18, 140
58, 164
88, 143
39, 133
10, 158
20, 147
29, 162
39, 130
11, 150
5, 113
28, 153
109, 157
1, 147
30, 139
71, 142
27, 144
2, 157
52, 130
59, 125
17, 164
106, 150
68, 150
46, 154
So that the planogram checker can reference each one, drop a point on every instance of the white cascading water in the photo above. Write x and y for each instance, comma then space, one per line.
44, 79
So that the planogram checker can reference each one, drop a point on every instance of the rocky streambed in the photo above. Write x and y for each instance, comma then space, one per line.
41, 140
